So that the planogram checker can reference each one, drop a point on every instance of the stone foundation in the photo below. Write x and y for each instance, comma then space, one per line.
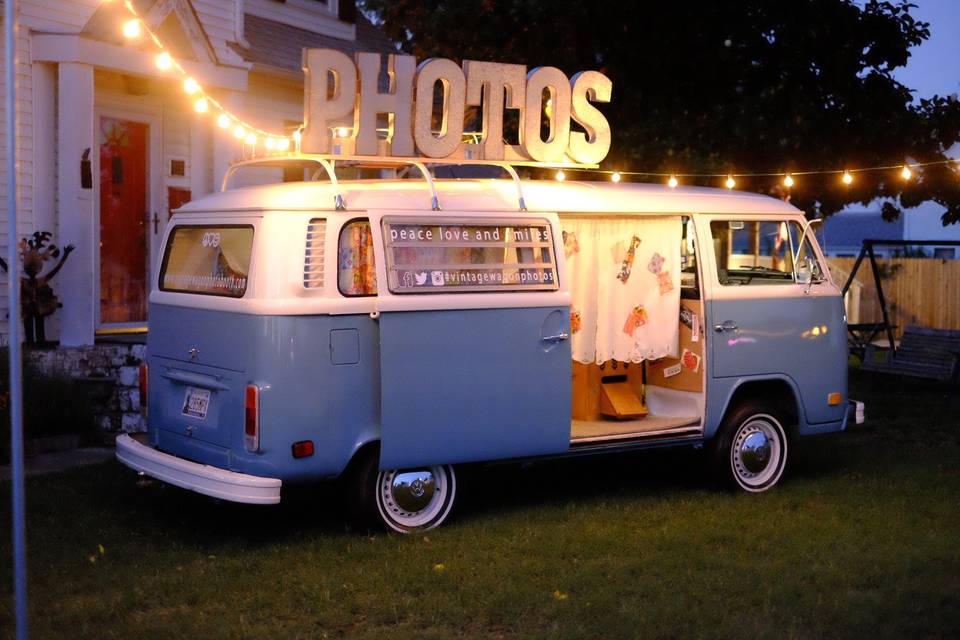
112, 372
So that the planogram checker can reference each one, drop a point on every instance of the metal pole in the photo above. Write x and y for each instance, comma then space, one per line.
880, 296
13, 306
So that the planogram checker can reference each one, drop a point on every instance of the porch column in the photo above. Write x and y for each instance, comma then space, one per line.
201, 174
76, 212
226, 148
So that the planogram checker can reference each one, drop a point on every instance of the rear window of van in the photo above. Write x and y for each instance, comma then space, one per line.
209, 260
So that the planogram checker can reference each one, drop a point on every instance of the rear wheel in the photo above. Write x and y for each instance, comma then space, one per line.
402, 500
750, 451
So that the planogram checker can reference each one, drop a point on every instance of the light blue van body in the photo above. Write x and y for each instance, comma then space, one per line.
457, 385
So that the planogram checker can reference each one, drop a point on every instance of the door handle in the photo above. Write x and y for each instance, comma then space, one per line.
560, 337
728, 325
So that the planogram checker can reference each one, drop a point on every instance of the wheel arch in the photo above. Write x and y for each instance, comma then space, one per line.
780, 391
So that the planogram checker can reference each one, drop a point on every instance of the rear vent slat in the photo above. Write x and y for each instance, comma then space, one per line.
313, 258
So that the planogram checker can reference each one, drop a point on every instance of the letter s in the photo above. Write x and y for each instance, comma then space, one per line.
587, 87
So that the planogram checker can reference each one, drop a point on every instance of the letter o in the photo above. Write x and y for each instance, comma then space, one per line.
553, 148
454, 93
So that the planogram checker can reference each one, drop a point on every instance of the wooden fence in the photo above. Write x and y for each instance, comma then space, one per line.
920, 291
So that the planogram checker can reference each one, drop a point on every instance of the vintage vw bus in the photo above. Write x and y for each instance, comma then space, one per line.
383, 331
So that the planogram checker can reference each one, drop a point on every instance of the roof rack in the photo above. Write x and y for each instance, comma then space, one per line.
327, 164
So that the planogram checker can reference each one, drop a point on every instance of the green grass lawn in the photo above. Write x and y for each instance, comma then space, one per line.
861, 539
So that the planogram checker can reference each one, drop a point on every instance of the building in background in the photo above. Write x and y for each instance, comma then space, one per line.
109, 144
842, 234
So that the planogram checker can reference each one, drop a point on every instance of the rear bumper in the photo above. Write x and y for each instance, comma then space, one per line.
202, 478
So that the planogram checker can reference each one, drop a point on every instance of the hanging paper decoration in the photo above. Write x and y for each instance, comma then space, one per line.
627, 265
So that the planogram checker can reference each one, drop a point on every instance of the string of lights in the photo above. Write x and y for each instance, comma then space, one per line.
204, 103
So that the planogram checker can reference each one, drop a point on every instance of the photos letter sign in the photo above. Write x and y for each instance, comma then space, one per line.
339, 90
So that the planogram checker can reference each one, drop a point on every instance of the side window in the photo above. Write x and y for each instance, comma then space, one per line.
689, 283
207, 260
754, 252
468, 255
356, 268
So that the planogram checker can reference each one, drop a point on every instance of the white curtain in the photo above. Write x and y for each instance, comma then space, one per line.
625, 284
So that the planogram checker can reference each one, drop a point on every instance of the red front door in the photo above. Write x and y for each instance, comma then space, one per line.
123, 221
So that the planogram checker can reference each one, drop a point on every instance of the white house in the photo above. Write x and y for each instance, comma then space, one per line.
108, 143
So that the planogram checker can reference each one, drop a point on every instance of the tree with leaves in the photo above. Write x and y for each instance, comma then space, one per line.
759, 86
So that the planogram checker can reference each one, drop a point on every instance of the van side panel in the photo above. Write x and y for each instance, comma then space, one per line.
801, 340
319, 380
472, 385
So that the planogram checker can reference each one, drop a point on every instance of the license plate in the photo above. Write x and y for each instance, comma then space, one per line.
195, 402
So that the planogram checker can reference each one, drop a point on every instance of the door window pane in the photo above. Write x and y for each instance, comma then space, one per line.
752, 252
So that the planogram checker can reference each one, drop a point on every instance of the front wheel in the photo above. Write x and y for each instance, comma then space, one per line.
403, 500
750, 452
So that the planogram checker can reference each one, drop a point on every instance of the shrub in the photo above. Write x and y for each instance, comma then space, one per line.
53, 405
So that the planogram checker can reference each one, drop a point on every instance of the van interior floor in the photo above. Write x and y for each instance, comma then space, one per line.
588, 431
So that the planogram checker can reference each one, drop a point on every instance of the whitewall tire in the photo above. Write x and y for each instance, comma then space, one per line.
750, 451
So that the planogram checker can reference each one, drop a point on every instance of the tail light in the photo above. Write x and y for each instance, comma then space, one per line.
251, 418
144, 370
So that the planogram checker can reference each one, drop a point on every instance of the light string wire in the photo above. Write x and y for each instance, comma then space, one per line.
250, 134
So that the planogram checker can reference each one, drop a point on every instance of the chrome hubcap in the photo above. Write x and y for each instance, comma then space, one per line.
755, 451
412, 491
758, 453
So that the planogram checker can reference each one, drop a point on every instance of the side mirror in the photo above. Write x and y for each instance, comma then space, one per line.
809, 272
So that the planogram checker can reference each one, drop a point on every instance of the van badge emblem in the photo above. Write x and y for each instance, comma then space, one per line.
417, 489
193, 353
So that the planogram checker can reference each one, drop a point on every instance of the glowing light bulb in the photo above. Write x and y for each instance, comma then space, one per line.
905, 173
131, 29
251, 139
730, 183
616, 176
191, 86
283, 144
296, 137
270, 144
201, 105
673, 182
788, 181
561, 176
164, 61
847, 178
239, 132
223, 121
342, 132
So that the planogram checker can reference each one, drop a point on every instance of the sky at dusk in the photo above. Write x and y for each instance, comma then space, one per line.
934, 66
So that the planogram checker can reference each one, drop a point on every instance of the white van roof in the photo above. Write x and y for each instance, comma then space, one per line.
491, 195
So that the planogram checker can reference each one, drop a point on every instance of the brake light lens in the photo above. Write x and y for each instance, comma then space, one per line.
251, 418
142, 384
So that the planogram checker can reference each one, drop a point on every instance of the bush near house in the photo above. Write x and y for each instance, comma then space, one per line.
53, 405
